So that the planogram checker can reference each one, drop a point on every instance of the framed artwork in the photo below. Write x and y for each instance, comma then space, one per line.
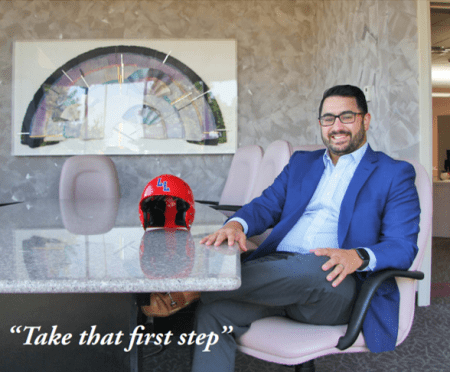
124, 97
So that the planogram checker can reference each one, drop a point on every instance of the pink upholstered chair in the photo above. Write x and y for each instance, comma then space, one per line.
274, 160
88, 177
240, 181
242, 176
308, 147
284, 341
88, 216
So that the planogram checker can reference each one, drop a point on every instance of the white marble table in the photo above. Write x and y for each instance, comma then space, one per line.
76, 265
62, 247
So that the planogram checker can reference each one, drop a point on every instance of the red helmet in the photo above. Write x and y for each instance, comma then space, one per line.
167, 201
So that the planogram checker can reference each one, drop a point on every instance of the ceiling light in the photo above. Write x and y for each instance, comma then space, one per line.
442, 95
440, 75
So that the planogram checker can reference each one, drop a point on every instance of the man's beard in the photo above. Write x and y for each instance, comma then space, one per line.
355, 141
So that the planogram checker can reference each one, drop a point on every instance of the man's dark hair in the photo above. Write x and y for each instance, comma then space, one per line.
346, 91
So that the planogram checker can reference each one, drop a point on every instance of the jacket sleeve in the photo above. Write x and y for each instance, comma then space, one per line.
399, 229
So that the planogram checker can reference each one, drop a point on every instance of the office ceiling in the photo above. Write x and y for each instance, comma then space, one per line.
440, 45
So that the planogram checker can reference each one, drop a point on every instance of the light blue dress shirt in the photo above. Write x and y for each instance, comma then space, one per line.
318, 225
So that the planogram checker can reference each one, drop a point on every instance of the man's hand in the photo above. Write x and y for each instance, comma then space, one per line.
232, 231
345, 262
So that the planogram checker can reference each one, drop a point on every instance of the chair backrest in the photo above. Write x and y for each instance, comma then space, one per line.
307, 148
406, 286
88, 177
242, 175
424, 189
274, 160
88, 216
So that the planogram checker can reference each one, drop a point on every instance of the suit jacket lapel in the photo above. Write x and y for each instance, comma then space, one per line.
309, 183
306, 189
362, 173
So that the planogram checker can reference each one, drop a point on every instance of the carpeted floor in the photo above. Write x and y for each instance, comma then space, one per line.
427, 347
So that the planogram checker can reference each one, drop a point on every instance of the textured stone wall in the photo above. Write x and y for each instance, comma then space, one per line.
288, 53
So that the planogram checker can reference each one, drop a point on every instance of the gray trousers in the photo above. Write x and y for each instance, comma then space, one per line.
284, 284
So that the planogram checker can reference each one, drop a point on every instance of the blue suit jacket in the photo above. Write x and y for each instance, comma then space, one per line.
380, 211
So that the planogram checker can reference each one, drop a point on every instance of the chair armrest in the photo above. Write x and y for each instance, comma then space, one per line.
10, 203
207, 202
362, 303
223, 207
231, 208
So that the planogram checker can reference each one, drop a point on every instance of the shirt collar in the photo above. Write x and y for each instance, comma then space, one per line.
355, 155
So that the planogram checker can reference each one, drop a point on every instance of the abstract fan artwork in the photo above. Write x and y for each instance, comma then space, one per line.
127, 99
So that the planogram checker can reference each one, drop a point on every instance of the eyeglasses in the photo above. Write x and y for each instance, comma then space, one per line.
347, 117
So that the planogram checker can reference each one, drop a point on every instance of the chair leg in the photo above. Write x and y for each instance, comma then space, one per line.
306, 367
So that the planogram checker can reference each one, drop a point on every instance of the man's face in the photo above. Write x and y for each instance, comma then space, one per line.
339, 138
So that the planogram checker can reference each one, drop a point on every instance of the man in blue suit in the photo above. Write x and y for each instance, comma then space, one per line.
338, 214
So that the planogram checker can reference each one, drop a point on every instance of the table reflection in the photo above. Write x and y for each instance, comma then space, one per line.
179, 251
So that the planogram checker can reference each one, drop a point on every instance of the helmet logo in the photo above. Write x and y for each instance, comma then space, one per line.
163, 185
